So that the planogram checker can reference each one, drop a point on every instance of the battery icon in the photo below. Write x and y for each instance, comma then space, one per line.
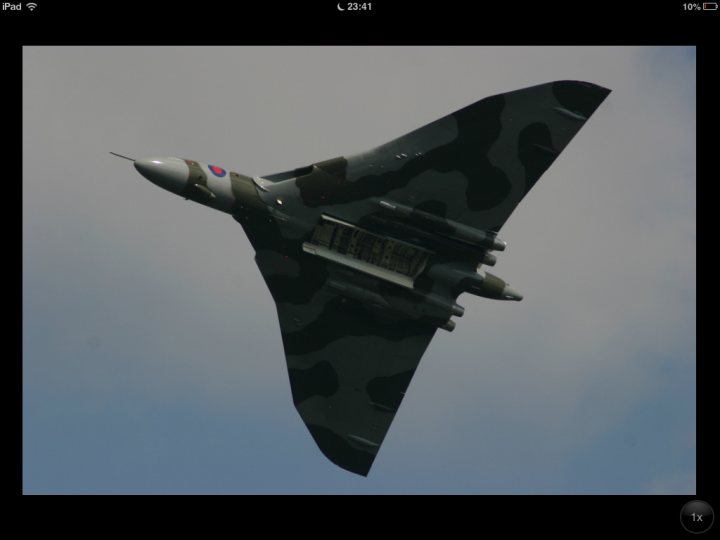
709, 6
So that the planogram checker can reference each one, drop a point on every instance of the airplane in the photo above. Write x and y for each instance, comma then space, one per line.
365, 255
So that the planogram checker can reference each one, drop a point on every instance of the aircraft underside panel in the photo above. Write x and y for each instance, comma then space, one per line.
381, 256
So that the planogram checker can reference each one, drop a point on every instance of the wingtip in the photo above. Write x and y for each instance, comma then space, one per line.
341, 452
587, 84
579, 99
360, 472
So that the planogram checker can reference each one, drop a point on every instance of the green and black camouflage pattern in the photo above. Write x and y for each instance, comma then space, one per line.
353, 340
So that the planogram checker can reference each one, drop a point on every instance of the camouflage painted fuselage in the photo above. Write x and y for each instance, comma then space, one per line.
365, 255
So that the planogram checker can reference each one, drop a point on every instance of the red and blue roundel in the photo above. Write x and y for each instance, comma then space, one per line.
217, 171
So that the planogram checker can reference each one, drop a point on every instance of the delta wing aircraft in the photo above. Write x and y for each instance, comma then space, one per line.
365, 255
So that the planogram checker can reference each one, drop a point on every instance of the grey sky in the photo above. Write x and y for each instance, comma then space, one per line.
152, 355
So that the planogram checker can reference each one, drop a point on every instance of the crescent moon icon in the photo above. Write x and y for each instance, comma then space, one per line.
339, 8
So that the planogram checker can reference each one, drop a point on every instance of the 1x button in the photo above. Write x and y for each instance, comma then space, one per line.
697, 516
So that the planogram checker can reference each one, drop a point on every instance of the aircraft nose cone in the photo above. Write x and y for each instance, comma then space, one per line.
511, 294
169, 173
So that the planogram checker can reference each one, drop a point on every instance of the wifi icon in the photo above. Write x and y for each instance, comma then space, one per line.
31, 5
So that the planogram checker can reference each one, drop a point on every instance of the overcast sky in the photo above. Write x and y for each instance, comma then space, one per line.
152, 355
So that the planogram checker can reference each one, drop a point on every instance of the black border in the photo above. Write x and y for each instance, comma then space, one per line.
404, 23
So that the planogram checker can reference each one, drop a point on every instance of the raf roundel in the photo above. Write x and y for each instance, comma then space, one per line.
217, 171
